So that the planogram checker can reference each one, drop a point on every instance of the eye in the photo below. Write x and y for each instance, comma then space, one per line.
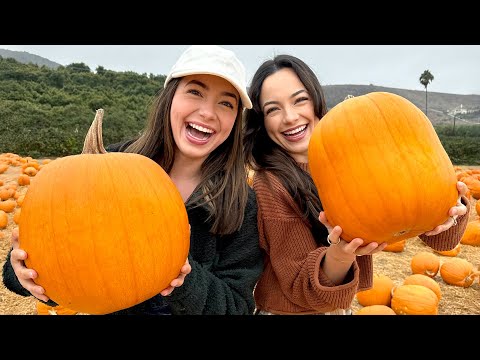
301, 99
194, 92
228, 104
270, 110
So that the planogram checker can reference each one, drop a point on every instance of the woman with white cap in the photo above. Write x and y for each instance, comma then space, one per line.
194, 132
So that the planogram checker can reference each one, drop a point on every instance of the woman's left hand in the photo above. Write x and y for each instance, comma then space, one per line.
458, 210
178, 281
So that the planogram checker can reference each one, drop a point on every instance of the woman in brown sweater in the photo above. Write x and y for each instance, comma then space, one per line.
309, 269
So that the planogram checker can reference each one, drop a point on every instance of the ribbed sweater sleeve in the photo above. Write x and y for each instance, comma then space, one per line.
293, 262
447, 240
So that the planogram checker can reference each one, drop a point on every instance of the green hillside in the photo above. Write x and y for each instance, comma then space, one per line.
46, 112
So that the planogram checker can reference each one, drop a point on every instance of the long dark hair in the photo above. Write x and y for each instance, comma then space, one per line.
262, 153
223, 186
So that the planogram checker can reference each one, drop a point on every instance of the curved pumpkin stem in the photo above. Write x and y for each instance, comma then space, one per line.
94, 141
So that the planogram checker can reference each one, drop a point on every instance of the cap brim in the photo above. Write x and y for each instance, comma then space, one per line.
243, 95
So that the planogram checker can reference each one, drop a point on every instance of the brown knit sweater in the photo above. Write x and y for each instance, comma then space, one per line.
292, 281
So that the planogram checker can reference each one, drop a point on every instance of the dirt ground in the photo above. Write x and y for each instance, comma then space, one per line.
455, 300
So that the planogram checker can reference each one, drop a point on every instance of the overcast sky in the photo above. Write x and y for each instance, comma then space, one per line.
456, 68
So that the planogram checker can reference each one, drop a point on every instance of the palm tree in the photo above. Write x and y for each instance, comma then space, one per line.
425, 79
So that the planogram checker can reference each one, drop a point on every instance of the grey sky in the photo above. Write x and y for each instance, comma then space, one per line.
456, 68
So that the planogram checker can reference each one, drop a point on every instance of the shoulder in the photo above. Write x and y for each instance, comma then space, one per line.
120, 146
267, 185
272, 197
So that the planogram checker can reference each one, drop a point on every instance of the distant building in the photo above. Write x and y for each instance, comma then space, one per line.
459, 110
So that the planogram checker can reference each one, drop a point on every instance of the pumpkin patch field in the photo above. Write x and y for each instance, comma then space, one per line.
454, 284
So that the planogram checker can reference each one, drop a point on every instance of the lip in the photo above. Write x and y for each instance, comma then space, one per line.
293, 128
193, 140
297, 137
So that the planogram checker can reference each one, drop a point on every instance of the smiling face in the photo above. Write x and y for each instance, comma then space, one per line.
289, 112
203, 112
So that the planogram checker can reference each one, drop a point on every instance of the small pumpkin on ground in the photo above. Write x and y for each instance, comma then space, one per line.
425, 263
458, 272
424, 280
454, 252
414, 300
471, 236
379, 294
375, 310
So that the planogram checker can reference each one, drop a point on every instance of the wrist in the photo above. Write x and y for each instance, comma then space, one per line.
339, 259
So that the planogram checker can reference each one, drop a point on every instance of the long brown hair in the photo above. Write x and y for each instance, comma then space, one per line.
223, 186
262, 153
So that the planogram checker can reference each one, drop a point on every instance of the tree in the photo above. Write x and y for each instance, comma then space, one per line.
425, 79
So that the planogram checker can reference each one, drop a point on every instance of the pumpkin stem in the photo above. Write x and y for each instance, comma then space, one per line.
93, 141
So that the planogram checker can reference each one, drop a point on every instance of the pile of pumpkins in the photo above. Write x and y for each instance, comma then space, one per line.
419, 294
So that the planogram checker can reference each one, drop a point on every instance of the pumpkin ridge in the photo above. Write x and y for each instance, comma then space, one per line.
341, 191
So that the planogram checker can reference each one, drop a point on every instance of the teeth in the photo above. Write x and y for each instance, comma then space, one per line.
201, 128
295, 131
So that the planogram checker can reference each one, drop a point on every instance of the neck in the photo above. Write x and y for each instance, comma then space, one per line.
186, 175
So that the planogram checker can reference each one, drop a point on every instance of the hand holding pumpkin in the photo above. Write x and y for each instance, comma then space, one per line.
25, 275
458, 210
178, 281
346, 251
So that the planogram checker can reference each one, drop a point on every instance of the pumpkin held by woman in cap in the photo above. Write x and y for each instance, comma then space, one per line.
104, 231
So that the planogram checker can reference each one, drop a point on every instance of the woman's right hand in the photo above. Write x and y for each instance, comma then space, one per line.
25, 275
346, 251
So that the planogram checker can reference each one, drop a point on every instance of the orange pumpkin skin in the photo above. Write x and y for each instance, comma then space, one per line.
425, 263
398, 246
471, 236
376, 310
424, 280
378, 294
380, 169
454, 252
458, 272
104, 231
44, 309
414, 300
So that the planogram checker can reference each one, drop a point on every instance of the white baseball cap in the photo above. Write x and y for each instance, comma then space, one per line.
212, 60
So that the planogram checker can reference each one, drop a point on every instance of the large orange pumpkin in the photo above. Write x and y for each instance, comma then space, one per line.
103, 231
380, 169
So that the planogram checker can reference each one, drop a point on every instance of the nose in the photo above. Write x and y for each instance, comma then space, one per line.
207, 110
291, 115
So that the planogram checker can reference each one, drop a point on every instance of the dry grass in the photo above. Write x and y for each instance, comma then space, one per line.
455, 300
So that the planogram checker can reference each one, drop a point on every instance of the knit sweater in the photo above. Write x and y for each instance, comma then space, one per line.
224, 270
293, 281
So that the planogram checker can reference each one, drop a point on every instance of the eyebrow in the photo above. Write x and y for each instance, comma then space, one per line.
291, 96
203, 85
